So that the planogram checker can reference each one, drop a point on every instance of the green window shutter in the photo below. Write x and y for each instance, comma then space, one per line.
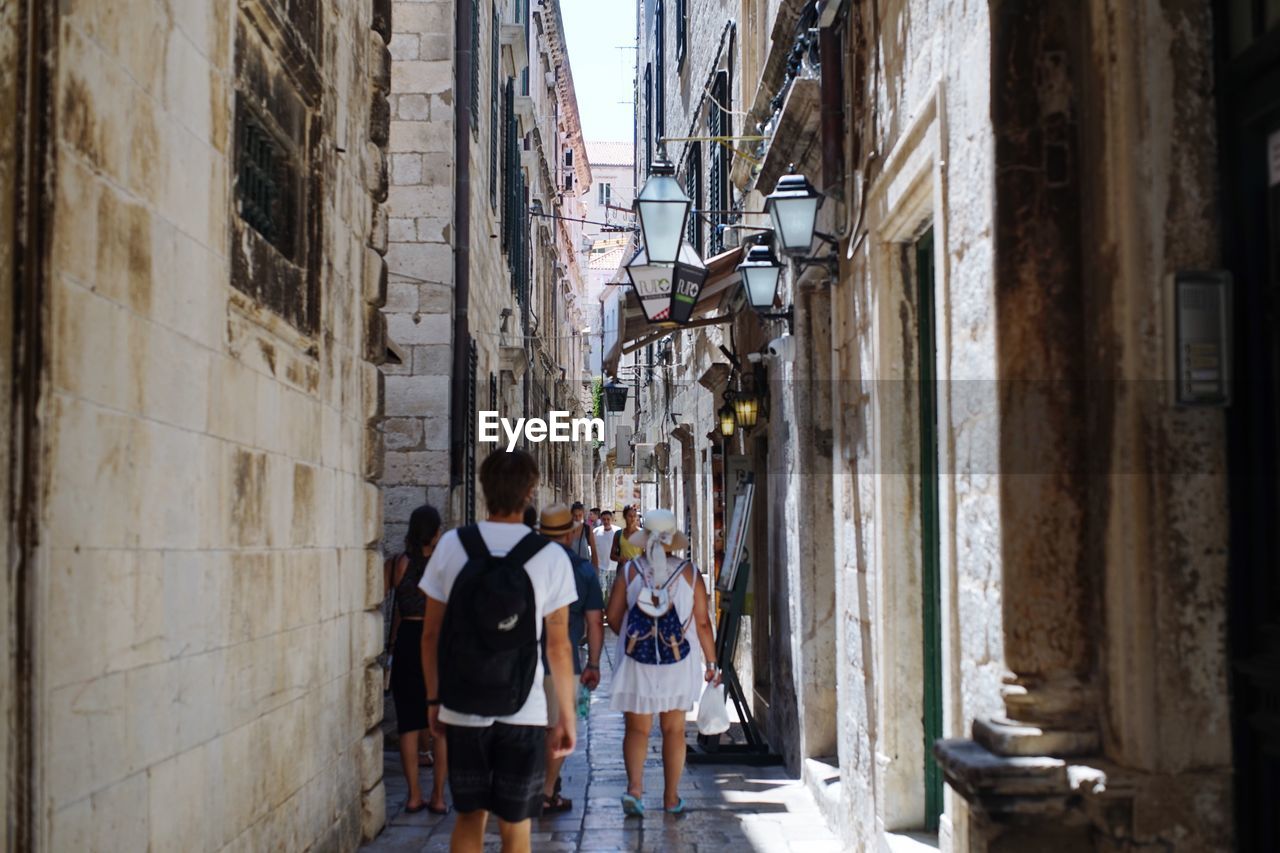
493, 113
475, 66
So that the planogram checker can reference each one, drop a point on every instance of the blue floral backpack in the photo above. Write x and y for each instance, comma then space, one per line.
655, 634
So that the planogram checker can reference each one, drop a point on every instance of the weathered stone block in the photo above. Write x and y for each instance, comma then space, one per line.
406, 169
379, 63
436, 433
416, 396
430, 137
419, 201
402, 297
402, 433
401, 231
435, 298
374, 452
412, 107
404, 46
431, 17
422, 77
435, 230
375, 278
433, 360
373, 811
418, 328
416, 467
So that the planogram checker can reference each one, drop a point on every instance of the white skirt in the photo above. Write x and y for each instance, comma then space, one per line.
646, 688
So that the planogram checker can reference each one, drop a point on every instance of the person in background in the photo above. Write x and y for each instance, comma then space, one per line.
604, 547
623, 549
586, 619
655, 601
531, 517
593, 517
498, 764
408, 689
583, 545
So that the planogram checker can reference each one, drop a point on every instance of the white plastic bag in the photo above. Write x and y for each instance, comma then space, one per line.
713, 716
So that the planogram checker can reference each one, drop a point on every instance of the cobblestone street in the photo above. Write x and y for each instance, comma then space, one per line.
729, 807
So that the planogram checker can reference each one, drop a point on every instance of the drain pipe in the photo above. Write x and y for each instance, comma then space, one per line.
463, 26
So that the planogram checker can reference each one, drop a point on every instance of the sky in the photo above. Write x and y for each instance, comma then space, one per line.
601, 38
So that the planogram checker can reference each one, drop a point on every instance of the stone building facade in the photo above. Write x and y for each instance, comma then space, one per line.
192, 258
998, 597
484, 283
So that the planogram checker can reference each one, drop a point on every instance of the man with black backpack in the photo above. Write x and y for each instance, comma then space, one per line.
493, 589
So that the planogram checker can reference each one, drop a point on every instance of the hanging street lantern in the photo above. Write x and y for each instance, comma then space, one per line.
760, 270
662, 208
615, 397
793, 207
652, 284
690, 275
726, 415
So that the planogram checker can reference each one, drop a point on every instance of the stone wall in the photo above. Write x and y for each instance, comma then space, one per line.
204, 641
932, 140
420, 261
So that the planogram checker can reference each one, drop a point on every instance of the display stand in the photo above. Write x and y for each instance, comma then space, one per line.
735, 576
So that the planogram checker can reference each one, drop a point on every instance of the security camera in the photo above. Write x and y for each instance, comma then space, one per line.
783, 348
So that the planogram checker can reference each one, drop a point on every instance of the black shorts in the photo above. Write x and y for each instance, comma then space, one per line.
498, 768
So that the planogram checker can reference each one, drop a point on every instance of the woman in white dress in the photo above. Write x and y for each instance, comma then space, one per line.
656, 600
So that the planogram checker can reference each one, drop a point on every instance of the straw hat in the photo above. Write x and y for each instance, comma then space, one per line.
557, 520
661, 523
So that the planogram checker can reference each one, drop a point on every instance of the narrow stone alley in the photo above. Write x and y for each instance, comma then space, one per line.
729, 807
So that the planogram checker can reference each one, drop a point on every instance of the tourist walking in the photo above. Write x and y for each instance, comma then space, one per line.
623, 548
603, 536
656, 600
493, 590
408, 689
582, 545
586, 622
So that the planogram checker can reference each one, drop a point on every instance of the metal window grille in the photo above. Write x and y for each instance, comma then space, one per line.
475, 65
263, 181
493, 114
469, 500
693, 187
648, 117
660, 60
719, 123
682, 30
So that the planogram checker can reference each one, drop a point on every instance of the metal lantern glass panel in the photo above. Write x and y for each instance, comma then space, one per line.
663, 209
760, 270
727, 422
746, 409
793, 207
690, 275
652, 283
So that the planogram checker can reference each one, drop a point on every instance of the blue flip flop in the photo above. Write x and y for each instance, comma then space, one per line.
632, 805
678, 808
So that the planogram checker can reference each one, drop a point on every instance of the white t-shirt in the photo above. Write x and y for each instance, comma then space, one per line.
604, 544
553, 587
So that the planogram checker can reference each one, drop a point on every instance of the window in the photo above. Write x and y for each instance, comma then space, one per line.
693, 188
660, 60
278, 132
568, 158
493, 113
682, 31
719, 124
648, 117
605, 194
475, 66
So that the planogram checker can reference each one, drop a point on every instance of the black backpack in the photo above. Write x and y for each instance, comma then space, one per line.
488, 651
